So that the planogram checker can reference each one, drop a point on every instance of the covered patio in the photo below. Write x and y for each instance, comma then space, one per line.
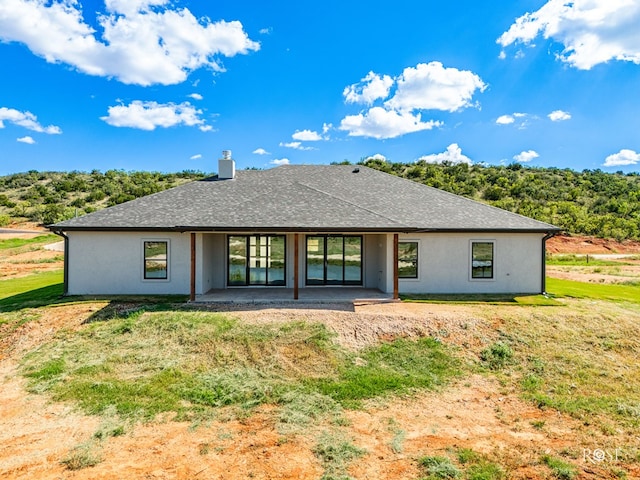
320, 295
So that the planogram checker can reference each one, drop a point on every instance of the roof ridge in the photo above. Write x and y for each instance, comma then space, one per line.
360, 207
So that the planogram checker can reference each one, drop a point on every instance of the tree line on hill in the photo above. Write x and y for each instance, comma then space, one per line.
591, 202
50, 197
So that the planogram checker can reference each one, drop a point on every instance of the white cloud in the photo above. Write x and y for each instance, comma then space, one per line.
198, 156
431, 86
369, 89
261, 151
377, 156
453, 154
509, 119
326, 127
526, 156
265, 31
29, 140
427, 86
559, 115
27, 120
380, 123
280, 161
196, 96
505, 120
141, 42
306, 136
295, 146
623, 157
592, 31
149, 115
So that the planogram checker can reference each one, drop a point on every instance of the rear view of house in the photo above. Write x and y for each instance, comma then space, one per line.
302, 227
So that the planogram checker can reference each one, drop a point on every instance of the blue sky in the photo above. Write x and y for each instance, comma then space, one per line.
167, 85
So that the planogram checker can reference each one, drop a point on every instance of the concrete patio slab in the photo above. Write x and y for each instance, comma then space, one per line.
285, 295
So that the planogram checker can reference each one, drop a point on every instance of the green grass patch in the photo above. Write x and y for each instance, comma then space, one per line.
582, 362
39, 261
497, 356
584, 261
491, 299
470, 466
559, 468
82, 456
595, 291
439, 468
193, 363
10, 243
336, 452
391, 367
31, 291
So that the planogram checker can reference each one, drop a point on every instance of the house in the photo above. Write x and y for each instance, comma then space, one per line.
302, 227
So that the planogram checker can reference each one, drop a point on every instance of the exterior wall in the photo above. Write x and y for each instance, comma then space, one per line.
211, 262
373, 257
444, 264
111, 263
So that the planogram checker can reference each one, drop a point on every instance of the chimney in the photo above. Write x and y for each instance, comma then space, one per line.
226, 166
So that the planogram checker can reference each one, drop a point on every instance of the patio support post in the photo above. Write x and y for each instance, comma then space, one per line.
295, 266
192, 294
395, 267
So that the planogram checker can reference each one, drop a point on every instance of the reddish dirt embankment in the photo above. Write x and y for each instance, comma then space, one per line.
591, 245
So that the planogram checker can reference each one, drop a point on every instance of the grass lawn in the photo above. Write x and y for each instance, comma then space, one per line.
149, 362
595, 291
31, 291
491, 299
21, 242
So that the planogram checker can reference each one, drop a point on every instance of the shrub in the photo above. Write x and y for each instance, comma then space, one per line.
439, 467
497, 355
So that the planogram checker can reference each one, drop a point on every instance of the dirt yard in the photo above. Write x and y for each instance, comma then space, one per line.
477, 412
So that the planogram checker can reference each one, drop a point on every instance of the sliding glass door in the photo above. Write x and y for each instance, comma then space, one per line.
256, 260
334, 260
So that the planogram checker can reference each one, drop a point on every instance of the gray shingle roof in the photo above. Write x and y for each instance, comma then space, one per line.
306, 198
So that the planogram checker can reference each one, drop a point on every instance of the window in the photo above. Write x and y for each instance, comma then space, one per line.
482, 260
256, 260
156, 263
334, 260
407, 259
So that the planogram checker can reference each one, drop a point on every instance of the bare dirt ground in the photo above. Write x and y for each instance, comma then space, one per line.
25, 260
626, 253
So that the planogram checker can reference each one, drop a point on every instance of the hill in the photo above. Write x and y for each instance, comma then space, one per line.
49, 197
591, 202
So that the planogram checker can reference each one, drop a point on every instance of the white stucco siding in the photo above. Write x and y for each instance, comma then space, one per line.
110, 263
444, 263
211, 262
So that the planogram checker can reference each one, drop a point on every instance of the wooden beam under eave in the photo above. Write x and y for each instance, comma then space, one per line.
192, 294
295, 266
396, 293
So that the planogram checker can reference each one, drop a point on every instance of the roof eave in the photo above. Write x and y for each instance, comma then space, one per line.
185, 228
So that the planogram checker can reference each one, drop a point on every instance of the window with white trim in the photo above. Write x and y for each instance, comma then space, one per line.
482, 260
156, 260
407, 259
